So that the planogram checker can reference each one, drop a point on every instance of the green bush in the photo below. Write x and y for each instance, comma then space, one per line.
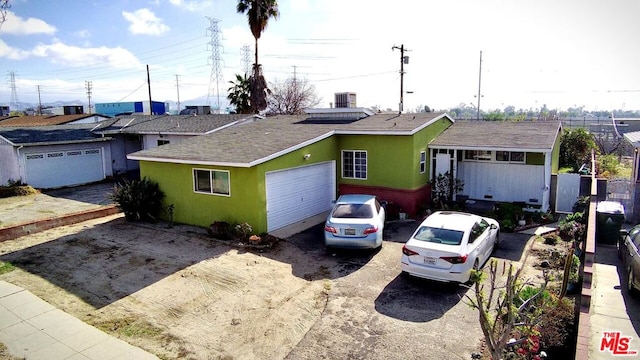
140, 200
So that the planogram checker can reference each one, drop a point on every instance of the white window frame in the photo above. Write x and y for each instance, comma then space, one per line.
354, 165
478, 155
211, 182
423, 162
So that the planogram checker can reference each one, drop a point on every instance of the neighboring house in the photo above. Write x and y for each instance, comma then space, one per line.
54, 156
45, 120
138, 132
280, 170
500, 160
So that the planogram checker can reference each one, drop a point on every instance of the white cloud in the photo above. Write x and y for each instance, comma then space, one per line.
84, 33
60, 53
192, 5
145, 22
12, 53
15, 25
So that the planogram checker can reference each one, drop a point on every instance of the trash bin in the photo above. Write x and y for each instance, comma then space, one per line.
609, 219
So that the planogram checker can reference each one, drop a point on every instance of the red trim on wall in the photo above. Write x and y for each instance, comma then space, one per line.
400, 200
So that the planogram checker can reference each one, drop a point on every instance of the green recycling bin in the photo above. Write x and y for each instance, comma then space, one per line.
609, 219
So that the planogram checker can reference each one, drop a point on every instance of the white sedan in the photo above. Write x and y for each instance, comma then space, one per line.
448, 244
356, 222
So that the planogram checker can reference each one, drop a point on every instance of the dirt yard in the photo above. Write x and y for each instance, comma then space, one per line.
174, 292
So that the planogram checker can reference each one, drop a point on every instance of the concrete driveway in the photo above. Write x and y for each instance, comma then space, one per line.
377, 313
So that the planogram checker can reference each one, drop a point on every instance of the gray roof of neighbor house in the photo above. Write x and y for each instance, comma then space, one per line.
507, 135
253, 142
168, 124
50, 135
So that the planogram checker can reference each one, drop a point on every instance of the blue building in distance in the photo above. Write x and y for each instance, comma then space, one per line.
128, 108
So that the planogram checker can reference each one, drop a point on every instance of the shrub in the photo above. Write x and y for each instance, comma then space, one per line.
140, 200
221, 230
507, 225
551, 239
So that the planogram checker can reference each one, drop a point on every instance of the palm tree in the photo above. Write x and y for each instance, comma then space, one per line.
239, 94
258, 14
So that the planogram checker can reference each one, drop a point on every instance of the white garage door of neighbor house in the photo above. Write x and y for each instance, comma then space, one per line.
298, 193
64, 168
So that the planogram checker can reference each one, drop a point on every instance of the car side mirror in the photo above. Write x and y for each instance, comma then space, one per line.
624, 232
494, 226
384, 203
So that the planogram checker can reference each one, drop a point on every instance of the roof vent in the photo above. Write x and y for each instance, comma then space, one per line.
345, 100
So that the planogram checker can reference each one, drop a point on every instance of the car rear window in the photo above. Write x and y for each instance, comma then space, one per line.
438, 235
352, 211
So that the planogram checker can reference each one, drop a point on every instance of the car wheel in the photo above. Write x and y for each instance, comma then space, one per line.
630, 281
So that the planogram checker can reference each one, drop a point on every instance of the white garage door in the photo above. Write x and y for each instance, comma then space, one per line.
64, 168
298, 193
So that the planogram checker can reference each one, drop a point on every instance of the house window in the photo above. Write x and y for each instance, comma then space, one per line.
517, 156
510, 156
354, 164
162, 142
214, 182
423, 162
478, 155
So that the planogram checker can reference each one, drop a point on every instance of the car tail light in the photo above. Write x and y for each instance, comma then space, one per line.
455, 259
408, 252
370, 230
330, 229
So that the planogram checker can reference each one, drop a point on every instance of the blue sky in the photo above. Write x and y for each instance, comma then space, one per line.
559, 53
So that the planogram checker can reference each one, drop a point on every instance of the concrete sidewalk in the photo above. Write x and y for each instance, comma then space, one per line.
613, 310
32, 329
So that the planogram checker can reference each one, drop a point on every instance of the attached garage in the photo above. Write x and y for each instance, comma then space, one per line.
66, 167
298, 193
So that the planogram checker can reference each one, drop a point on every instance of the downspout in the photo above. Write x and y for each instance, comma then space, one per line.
20, 167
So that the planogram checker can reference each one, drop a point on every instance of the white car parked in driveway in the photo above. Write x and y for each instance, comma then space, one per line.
448, 244
356, 222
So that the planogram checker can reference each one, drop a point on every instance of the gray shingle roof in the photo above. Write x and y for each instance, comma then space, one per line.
524, 135
168, 124
252, 142
49, 135
633, 138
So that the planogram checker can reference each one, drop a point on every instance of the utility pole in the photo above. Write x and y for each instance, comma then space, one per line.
87, 84
178, 90
479, 86
39, 101
149, 86
403, 60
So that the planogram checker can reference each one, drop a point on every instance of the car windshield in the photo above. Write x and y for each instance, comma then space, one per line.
352, 211
439, 235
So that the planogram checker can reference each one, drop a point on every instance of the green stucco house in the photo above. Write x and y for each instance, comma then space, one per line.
280, 170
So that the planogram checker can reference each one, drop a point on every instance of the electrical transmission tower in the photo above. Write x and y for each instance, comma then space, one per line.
13, 104
88, 85
246, 58
216, 69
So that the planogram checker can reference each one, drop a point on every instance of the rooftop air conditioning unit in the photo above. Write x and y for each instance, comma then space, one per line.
345, 100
